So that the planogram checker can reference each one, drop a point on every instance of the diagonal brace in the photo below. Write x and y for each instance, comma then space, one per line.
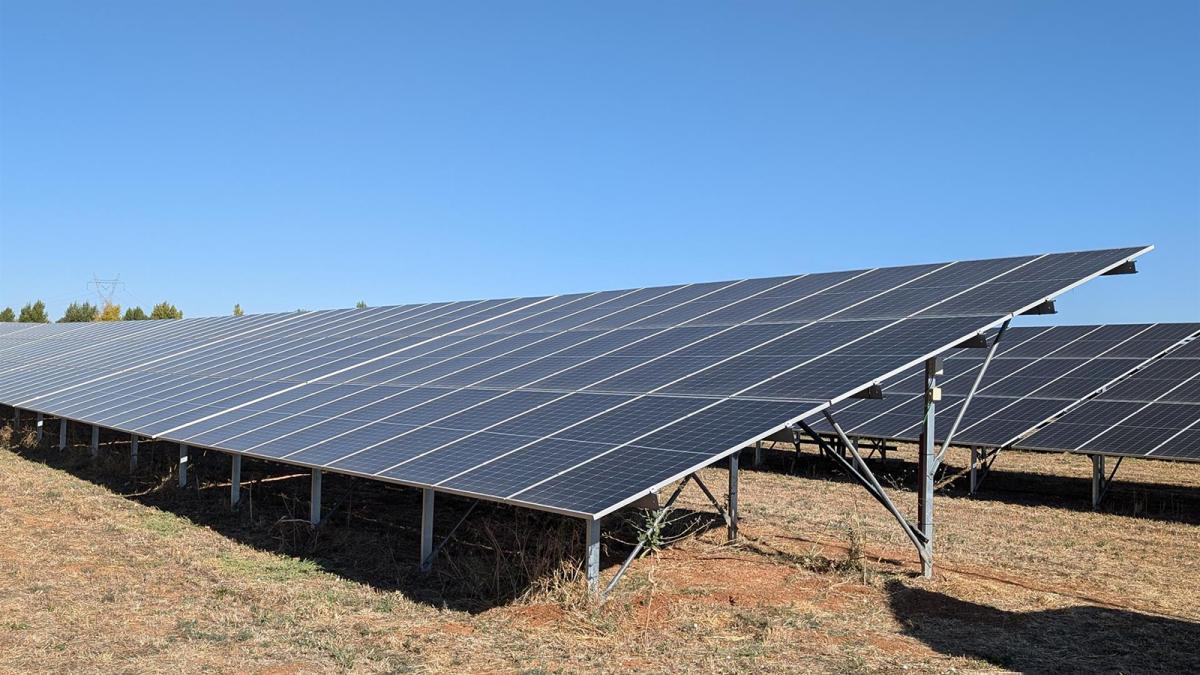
662, 513
720, 509
962, 409
428, 561
918, 537
822, 445
1107, 481
833, 455
863, 474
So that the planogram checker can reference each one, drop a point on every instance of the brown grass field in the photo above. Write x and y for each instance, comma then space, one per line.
103, 571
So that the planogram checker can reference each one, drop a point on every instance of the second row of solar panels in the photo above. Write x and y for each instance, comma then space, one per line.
1040, 372
1155, 413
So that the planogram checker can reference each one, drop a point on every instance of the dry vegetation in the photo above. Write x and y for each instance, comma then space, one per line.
101, 571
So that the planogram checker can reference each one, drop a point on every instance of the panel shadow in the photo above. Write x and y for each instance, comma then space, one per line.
1080, 639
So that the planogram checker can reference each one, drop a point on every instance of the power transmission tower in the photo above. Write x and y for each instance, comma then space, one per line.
105, 288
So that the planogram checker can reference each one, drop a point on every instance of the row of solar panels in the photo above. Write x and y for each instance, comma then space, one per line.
577, 404
1120, 390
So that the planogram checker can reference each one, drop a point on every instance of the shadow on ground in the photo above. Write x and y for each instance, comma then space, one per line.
1154, 501
370, 531
1081, 639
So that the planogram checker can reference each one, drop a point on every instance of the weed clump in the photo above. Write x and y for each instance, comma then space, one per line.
854, 563
507, 554
28, 439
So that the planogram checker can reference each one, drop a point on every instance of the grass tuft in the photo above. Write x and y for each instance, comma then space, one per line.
162, 523
275, 568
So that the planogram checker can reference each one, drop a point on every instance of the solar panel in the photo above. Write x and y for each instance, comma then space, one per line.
1038, 374
577, 403
1154, 413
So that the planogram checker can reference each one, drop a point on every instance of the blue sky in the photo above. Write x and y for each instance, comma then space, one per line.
286, 155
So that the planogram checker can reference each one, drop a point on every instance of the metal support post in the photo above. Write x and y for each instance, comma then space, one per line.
62, 433
426, 529
314, 503
927, 465
758, 453
133, 452
16, 419
183, 465
974, 469
593, 555
235, 480
95, 447
39, 427
796, 430
732, 508
1100, 482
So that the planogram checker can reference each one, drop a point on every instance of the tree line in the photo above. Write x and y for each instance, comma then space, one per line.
35, 312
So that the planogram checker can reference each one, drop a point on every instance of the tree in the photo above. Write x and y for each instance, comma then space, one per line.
34, 312
8, 316
362, 304
237, 310
110, 312
135, 314
165, 310
79, 312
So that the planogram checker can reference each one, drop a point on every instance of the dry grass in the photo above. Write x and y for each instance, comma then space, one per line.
101, 572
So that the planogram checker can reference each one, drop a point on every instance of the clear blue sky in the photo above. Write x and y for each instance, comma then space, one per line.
285, 155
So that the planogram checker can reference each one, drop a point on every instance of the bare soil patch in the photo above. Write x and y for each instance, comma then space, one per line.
104, 571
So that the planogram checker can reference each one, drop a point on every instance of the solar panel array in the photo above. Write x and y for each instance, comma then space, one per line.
1153, 414
1037, 374
577, 403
